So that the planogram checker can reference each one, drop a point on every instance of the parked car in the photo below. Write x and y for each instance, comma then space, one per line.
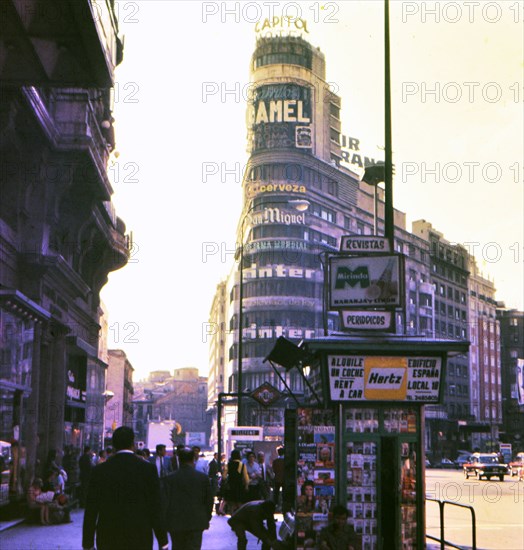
516, 467
485, 465
461, 460
445, 463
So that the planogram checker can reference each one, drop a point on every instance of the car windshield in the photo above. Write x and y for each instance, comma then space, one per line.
488, 459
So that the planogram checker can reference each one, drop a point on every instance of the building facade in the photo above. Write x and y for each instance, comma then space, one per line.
302, 192
512, 376
484, 362
59, 234
181, 397
119, 391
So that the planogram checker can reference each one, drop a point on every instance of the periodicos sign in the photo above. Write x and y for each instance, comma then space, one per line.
379, 378
367, 320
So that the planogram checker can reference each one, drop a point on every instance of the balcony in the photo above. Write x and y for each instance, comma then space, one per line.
59, 43
72, 123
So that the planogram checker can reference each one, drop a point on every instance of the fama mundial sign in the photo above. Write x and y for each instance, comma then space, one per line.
365, 282
378, 378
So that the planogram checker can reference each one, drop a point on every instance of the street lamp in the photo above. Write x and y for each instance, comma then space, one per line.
300, 205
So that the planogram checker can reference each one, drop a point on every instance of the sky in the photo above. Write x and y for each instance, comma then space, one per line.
180, 109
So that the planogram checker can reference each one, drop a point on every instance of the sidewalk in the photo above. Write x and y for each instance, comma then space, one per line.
68, 536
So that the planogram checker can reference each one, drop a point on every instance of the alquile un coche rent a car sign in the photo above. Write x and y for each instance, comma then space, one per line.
382, 378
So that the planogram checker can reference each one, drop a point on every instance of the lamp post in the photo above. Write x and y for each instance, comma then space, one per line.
300, 205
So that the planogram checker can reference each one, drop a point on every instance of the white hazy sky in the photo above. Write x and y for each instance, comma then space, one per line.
457, 101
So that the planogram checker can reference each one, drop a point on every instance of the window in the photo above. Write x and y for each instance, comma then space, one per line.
334, 135
332, 187
347, 223
334, 110
323, 212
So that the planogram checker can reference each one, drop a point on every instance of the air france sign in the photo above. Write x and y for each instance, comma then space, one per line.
377, 378
365, 282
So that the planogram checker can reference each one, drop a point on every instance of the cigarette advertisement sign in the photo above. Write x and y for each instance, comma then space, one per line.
361, 282
378, 378
281, 117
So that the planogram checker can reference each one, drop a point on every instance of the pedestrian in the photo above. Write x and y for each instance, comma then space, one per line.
251, 517
267, 476
237, 481
85, 464
338, 535
201, 464
175, 463
38, 510
255, 476
102, 456
278, 480
189, 503
213, 471
161, 461
123, 502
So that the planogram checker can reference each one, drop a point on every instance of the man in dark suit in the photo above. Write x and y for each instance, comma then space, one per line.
123, 501
161, 461
189, 502
175, 463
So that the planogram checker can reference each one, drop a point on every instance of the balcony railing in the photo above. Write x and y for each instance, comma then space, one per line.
71, 121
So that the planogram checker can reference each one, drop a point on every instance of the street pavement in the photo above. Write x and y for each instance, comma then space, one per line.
68, 536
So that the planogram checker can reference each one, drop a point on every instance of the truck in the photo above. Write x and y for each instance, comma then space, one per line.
159, 433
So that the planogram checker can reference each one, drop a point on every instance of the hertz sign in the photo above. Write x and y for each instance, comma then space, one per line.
377, 378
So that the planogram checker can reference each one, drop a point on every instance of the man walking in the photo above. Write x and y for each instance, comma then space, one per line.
212, 472
161, 461
189, 503
267, 476
123, 501
278, 471
85, 465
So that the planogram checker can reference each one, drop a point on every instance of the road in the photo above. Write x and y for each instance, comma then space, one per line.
498, 506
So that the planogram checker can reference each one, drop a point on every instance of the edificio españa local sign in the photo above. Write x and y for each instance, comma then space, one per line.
379, 378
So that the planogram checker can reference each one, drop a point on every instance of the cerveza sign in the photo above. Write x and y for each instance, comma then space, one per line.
377, 378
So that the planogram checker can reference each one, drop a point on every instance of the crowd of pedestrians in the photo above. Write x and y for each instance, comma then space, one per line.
133, 497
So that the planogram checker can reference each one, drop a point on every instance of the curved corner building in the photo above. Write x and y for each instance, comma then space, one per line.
297, 203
